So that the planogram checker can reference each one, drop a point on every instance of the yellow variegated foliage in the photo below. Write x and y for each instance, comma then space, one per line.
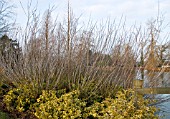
126, 105
20, 98
68, 106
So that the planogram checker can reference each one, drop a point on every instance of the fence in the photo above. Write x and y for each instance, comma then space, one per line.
138, 86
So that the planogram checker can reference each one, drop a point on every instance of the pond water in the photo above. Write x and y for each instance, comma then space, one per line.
166, 108
162, 82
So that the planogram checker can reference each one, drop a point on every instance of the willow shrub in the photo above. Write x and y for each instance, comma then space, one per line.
52, 104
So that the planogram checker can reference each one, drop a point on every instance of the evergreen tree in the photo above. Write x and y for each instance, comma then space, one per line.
9, 50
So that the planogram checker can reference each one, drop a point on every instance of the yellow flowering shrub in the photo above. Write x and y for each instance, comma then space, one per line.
4, 87
52, 104
20, 98
68, 106
126, 105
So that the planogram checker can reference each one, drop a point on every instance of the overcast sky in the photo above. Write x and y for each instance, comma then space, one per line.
135, 11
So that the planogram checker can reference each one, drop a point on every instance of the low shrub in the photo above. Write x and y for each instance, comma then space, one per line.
52, 104
68, 106
126, 105
20, 99
5, 87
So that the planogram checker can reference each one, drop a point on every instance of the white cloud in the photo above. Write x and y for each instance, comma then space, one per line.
133, 10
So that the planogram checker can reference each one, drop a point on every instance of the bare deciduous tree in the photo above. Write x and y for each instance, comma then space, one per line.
5, 16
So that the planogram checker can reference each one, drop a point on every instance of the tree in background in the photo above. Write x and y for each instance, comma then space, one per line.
5, 16
168, 51
9, 50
